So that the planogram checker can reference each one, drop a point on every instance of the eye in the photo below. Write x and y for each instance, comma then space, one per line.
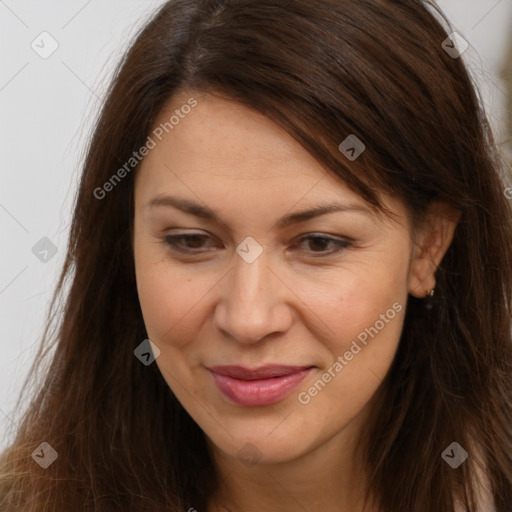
318, 243
193, 242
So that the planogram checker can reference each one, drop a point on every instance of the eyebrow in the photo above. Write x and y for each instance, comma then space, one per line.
199, 210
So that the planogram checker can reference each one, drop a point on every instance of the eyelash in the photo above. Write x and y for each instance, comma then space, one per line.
170, 241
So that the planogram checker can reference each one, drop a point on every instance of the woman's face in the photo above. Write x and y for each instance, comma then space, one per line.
275, 329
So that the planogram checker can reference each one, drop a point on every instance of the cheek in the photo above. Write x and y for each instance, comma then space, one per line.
168, 301
354, 305
365, 314
166, 294
170, 306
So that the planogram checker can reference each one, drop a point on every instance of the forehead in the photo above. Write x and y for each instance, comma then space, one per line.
221, 151
223, 137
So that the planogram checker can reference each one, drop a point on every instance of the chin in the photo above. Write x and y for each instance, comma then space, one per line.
257, 450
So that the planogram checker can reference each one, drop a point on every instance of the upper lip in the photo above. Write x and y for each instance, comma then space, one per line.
262, 372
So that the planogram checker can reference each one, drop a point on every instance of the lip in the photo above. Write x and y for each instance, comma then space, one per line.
260, 386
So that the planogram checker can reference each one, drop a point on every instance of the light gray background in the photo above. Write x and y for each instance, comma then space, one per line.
47, 107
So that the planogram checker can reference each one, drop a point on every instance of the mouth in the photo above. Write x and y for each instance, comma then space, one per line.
259, 386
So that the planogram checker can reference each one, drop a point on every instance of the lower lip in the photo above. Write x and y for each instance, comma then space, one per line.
252, 393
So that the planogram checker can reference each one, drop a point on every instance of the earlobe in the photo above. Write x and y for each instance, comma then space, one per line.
432, 243
422, 277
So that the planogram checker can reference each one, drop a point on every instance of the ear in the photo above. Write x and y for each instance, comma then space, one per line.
430, 245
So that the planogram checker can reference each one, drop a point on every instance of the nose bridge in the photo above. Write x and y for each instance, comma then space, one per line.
251, 297
250, 277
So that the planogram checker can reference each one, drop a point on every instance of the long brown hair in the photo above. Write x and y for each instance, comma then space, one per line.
322, 70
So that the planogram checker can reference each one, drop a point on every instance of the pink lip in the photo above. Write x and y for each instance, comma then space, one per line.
260, 386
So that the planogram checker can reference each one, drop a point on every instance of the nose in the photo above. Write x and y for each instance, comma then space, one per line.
254, 301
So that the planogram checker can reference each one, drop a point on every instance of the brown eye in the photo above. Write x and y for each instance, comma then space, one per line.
318, 244
186, 243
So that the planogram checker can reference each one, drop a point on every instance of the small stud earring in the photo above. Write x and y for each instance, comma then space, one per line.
430, 293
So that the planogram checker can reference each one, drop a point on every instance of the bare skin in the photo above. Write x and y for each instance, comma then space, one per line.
300, 302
